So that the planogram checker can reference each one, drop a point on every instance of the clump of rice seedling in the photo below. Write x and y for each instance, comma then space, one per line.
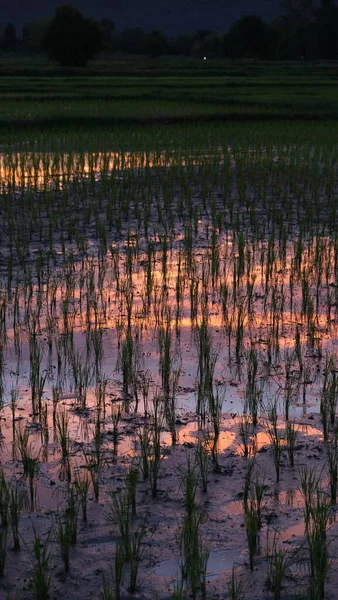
135, 555
71, 513
309, 485
119, 513
315, 531
81, 485
253, 393
193, 552
32, 468
278, 561
252, 527
94, 468
150, 446
144, 438
15, 506
245, 431
291, 438
63, 535
4, 501
41, 567
202, 460
248, 480
115, 418
235, 588
3, 549
62, 431
332, 455
215, 403
131, 485
21, 442
277, 442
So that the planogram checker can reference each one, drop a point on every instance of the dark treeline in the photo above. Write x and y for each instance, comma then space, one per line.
305, 30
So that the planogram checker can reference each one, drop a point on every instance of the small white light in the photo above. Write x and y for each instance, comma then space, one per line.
205, 58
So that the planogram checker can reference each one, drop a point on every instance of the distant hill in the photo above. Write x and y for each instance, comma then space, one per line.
170, 16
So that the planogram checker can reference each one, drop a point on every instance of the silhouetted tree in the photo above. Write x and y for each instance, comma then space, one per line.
249, 37
206, 42
155, 44
33, 35
9, 37
71, 39
181, 44
132, 40
108, 35
298, 30
327, 29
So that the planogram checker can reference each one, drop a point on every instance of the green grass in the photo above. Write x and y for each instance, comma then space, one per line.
141, 91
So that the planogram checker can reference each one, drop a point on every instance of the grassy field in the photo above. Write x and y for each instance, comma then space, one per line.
46, 96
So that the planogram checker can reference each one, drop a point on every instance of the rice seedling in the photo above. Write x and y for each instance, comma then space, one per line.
71, 514
155, 460
252, 528
202, 460
115, 418
41, 579
193, 552
81, 485
166, 354
277, 569
62, 432
3, 550
107, 591
289, 389
83, 376
112, 590
14, 403
234, 587
63, 536
258, 488
207, 358
15, 507
144, 438
131, 486
169, 403
135, 556
21, 441
178, 592
291, 438
94, 467
332, 461
253, 393
4, 501
316, 516
277, 442
248, 478
119, 514
32, 470
215, 403
119, 566
245, 431
310, 482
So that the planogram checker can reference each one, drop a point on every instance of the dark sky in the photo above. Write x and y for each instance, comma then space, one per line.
174, 16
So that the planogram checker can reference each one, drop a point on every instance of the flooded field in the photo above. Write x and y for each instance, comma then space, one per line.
168, 371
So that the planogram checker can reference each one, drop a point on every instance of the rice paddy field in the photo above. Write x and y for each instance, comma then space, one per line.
169, 333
